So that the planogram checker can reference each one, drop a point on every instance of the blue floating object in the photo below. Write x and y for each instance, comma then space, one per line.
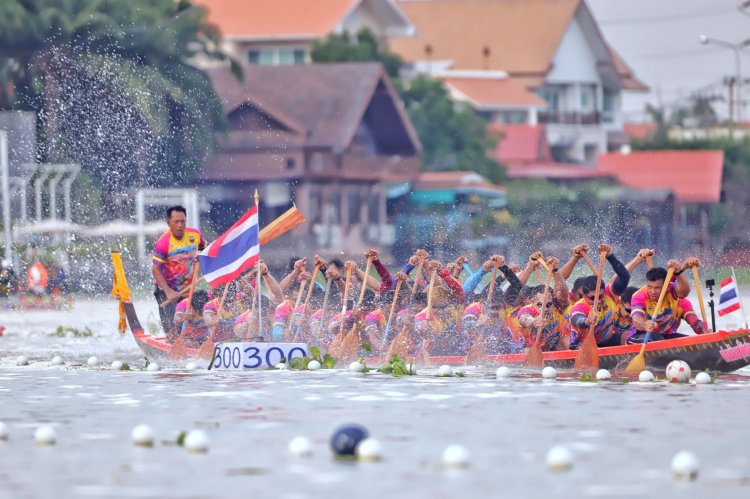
345, 439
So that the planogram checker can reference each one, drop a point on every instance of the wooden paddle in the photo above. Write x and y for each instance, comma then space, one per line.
535, 358
206, 350
416, 280
178, 349
316, 269
334, 346
302, 285
351, 341
390, 314
588, 354
478, 349
426, 341
697, 281
588, 262
184, 290
638, 363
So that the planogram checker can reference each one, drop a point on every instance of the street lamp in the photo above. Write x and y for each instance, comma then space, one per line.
735, 47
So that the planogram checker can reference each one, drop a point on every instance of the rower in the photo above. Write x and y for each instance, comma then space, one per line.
555, 331
173, 262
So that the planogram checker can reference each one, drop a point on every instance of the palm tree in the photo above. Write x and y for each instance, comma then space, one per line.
113, 83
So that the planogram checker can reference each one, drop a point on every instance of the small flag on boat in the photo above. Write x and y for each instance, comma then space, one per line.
233, 252
729, 298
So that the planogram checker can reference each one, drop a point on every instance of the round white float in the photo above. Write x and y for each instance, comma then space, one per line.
549, 372
445, 370
191, 366
678, 371
369, 449
646, 376
45, 435
411, 369
93, 361
603, 375
313, 365
196, 441
22, 360
57, 361
559, 458
281, 366
153, 367
702, 378
142, 435
685, 466
3, 431
502, 372
356, 367
456, 456
116, 365
300, 447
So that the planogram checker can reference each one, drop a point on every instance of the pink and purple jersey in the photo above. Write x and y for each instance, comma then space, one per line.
604, 326
174, 257
674, 309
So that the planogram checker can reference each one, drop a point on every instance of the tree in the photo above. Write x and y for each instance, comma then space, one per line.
113, 85
453, 138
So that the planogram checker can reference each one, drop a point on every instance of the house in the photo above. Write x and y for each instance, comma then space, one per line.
331, 138
694, 178
553, 48
282, 32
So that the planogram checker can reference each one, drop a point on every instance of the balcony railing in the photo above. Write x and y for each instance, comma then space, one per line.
569, 118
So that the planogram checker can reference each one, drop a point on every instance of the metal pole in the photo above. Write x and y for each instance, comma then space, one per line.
738, 68
5, 172
711, 306
140, 220
258, 277
742, 309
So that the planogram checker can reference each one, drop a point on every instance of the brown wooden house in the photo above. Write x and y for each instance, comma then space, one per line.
328, 137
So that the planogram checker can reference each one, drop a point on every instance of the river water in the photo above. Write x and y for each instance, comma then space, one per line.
622, 435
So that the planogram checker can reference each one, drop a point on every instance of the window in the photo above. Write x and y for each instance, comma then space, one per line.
512, 117
286, 56
299, 56
253, 57
266, 58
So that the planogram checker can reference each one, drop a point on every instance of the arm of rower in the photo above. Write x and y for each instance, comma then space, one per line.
289, 279
161, 281
561, 294
682, 289
622, 277
526, 273
372, 283
472, 282
274, 287
515, 285
630, 266
456, 290
639, 320
386, 280
569, 266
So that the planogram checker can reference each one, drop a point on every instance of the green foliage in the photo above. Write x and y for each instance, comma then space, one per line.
396, 367
363, 47
63, 331
301, 363
587, 377
125, 367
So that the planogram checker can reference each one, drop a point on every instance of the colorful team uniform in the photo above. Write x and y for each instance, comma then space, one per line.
552, 331
175, 256
674, 310
194, 328
604, 326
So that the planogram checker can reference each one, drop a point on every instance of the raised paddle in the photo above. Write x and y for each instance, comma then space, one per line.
478, 349
426, 342
390, 314
302, 285
535, 358
351, 342
638, 363
697, 281
334, 346
588, 262
178, 347
588, 355
206, 350
316, 269
416, 280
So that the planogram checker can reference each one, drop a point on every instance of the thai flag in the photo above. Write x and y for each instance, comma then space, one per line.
729, 298
233, 252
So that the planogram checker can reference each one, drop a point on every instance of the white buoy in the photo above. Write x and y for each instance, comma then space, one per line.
281, 366
191, 366
603, 375
549, 372
685, 466
356, 367
502, 372
153, 367
678, 371
196, 441
646, 376
313, 365
411, 369
445, 370
45, 435
369, 449
142, 435
57, 361
116, 365
93, 361
22, 360
3, 431
702, 378
559, 458
300, 447
456, 456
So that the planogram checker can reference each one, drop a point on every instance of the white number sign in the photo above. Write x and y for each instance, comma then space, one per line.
241, 356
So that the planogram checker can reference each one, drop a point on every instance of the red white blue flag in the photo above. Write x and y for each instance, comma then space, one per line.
729, 298
235, 251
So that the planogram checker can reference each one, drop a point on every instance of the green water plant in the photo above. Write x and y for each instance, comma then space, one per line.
301, 363
397, 367
78, 333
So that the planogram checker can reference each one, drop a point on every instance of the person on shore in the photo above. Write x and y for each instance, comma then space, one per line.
174, 253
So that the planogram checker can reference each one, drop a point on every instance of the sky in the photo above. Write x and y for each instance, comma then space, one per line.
659, 40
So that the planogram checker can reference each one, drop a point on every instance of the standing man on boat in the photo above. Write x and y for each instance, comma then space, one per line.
174, 253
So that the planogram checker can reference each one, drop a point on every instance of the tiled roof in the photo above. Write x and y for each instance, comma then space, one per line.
277, 18
693, 176
521, 143
639, 131
555, 171
490, 93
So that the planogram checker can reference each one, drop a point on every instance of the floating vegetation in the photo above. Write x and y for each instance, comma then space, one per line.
300, 363
64, 331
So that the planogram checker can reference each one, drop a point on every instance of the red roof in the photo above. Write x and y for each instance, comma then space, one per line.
640, 131
693, 176
555, 171
520, 143
489, 92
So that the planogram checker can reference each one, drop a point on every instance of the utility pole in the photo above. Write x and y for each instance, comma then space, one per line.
5, 185
729, 81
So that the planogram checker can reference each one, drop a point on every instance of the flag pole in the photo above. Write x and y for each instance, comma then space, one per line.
258, 277
742, 309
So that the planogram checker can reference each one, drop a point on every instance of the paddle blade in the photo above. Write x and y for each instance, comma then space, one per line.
587, 358
399, 345
477, 352
335, 347
349, 348
637, 365
206, 351
534, 358
179, 350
